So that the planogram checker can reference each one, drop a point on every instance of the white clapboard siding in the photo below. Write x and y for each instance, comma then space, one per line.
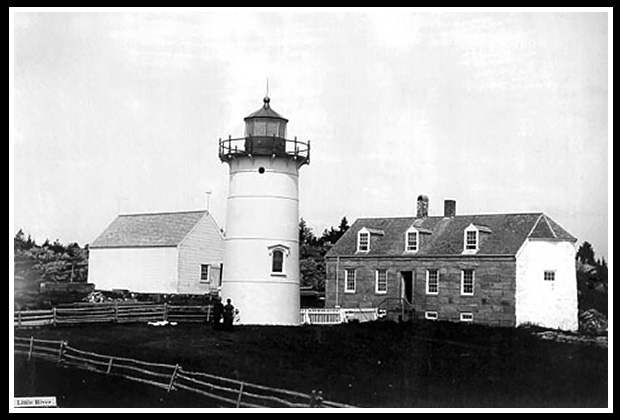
203, 245
141, 269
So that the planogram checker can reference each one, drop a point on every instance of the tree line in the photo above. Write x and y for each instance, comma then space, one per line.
592, 279
587, 262
49, 261
312, 250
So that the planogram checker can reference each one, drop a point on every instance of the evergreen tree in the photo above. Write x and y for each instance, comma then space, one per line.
585, 254
344, 226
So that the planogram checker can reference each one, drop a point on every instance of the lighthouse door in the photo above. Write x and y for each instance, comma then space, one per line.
407, 285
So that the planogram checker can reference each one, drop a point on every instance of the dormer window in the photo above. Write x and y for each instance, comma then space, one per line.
412, 240
363, 240
472, 237
471, 240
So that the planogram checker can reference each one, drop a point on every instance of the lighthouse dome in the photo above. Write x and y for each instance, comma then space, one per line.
265, 122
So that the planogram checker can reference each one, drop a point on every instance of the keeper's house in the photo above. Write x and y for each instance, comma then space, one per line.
178, 253
498, 269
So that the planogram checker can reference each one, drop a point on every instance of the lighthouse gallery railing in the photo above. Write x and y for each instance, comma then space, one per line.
264, 146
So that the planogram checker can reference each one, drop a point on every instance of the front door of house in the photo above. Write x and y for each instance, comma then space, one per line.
407, 285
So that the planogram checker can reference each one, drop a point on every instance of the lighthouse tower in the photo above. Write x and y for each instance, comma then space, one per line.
261, 256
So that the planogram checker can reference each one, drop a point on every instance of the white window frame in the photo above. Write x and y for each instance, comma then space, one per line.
431, 315
285, 253
428, 282
208, 279
365, 232
467, 317
416, 234
473, 282
549, 272
377, 291
467, 248
347, 289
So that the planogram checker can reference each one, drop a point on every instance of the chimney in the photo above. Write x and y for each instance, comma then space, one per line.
422, 206
449, 208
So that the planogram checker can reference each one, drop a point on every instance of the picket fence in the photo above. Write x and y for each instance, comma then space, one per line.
113, 312
222, 391
332, 316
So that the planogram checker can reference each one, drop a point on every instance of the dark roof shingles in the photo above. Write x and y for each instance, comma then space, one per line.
507, 234
148, 230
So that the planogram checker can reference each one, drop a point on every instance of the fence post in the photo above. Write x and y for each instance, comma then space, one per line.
174, 374
30, 348
107, 372
19, 319
60, 352
165, 311
240, 395
316, 399
54, 315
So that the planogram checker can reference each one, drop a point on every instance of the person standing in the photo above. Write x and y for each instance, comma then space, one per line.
218, 311
229, 314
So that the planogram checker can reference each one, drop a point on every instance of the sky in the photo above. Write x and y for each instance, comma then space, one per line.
121, 112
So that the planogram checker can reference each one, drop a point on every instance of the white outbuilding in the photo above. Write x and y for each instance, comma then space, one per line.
175, 252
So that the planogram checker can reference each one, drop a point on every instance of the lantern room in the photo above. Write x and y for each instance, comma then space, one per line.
265, 122
265, 135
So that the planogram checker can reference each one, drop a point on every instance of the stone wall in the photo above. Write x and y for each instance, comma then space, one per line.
493, 301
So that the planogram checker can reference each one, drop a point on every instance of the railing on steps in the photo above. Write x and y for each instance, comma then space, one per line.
396, 308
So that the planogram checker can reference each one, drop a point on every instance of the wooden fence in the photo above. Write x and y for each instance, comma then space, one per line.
82, 313
223, 392
331, 316
113, 312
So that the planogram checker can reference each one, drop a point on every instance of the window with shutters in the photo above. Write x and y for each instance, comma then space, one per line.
204, 273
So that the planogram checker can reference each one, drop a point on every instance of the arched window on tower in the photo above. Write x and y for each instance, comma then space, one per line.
278, 254
277, 261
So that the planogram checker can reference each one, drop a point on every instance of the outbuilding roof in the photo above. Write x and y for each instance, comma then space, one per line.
148, 230
503, 234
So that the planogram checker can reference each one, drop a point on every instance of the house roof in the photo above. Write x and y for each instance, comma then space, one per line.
148, 230
500, 234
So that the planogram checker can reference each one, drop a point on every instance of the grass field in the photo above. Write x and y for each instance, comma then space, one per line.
379, 364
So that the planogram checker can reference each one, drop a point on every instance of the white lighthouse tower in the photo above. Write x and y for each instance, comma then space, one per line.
261, 257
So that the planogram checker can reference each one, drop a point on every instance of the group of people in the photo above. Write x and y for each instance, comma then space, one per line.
223, 312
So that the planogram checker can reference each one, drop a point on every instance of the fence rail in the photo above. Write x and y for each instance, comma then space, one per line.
223, 391
332, 316
115, 312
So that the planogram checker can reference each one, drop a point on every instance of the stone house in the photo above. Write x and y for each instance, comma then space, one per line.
496, 269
